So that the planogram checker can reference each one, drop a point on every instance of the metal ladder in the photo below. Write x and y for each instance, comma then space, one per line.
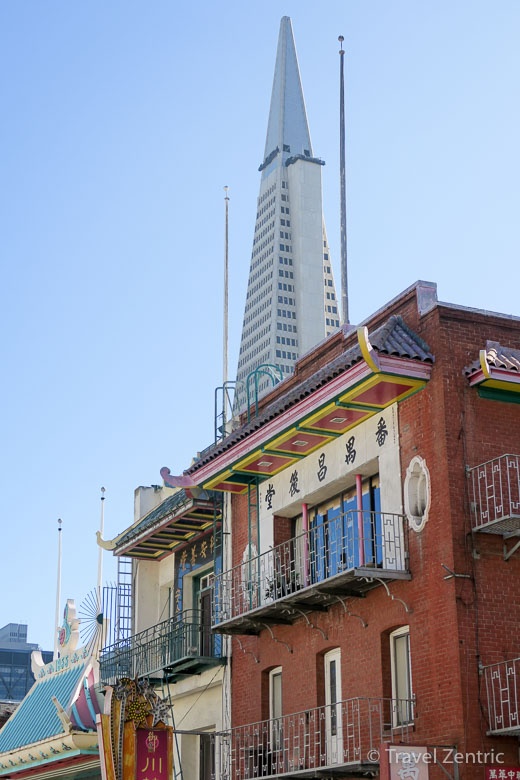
123, 627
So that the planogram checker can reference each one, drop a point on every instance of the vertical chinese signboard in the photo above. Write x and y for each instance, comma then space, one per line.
152, 751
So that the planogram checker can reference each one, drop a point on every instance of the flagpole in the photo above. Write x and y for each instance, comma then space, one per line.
58, 593
100, 555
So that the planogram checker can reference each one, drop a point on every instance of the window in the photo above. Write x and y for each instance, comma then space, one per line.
333, 719
401, 668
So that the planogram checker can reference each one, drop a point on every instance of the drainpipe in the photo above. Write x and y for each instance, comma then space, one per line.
305, 519
359, 505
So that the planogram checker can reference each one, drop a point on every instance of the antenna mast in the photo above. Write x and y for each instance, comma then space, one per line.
58, 593
343, 207
225, 329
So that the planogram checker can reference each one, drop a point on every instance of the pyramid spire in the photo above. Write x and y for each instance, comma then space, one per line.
291, 301
287, 126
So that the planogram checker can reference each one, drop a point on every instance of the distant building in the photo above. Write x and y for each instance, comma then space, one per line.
291, 302
16, 677
52, 732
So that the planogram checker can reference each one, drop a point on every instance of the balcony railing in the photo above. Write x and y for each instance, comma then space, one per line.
501, 692
179, 646
346, 735
495, 495
345, 555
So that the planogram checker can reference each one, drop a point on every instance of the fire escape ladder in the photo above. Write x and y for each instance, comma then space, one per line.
123, 627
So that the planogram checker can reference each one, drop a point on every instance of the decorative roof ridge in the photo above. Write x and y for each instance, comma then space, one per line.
498, 356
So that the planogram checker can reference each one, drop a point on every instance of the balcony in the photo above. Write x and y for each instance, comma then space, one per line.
171, 650
338, 739
342, 557
495, 496
500, 690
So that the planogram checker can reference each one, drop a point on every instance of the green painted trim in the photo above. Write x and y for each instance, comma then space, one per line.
331, 434
361, 407
494, 394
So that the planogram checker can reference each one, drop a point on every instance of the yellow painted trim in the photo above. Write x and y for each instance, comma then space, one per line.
276, 446
501, 384
367, 350
311, 421
245, 462
224, 477
372, 381
484, 364
234, 492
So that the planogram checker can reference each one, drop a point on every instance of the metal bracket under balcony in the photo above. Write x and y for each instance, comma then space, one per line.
171, 650
341, 558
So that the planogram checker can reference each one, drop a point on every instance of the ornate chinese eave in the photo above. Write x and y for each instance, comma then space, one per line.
496, 373
373, 381
180, 519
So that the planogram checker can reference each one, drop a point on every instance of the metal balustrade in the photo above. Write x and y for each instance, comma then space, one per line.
500, 690
495, 495
346, 734
344, 555
180, 644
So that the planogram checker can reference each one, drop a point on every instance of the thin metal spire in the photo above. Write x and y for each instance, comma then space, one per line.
343, 206
58, 594
100, 555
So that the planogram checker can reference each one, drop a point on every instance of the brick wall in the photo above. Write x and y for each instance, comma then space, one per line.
455, 624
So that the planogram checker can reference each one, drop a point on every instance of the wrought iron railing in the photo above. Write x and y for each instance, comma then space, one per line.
353, 540
495, 495
500, 690
160, 647
349, 732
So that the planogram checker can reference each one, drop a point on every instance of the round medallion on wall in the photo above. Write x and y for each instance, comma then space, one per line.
417, 493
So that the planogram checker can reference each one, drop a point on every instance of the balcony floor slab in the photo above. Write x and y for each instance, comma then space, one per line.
504, 527
354, 583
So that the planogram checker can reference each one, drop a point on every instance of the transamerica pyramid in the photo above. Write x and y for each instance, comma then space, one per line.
291, 301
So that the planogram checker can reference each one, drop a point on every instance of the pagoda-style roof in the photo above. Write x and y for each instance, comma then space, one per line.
496, 373
387, 366
181, 518
56, 721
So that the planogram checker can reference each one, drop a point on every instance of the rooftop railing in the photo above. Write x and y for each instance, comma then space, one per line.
179, 643
501, 692
495, 495
345, 554
346, 734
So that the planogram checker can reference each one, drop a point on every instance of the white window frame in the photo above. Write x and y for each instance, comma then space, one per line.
334, 744
275, 730
396, 719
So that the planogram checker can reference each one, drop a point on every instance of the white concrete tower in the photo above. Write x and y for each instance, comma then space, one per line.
291, 301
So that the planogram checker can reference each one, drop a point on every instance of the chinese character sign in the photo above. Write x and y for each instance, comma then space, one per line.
408, 762
152, 754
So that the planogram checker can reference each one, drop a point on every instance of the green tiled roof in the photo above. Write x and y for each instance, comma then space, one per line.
170, 506
36, 717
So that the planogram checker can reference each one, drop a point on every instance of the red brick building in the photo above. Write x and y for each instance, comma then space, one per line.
373, 585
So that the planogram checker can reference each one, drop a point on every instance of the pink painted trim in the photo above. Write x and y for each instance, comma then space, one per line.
359, 505
305, 519
407, 368
497, 374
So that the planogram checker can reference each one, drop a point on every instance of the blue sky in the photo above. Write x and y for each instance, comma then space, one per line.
121, 123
